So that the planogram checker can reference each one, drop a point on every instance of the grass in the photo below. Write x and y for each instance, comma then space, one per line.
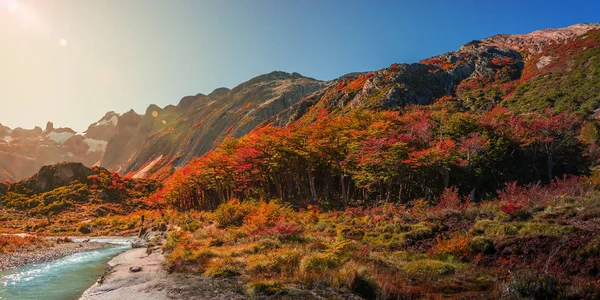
385, 252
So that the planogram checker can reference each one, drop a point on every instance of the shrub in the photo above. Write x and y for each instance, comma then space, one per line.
429, 266
423, 230
456, 245
420, 206
282, 230
318, 263
351, 233
544, 229
482, 245
231, 213
533, 285
267, 244
84, 229
510, 209
495, 228
288, 261
223, 267
356, 278
266, 288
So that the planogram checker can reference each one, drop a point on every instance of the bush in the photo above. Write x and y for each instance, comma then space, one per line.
482, 245
533, 285
423, 230
429, 266
456, 245
223, 268
356, 278
231, 213
84, 229
266, 288
318, 263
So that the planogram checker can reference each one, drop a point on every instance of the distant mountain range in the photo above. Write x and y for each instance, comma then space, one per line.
522, 72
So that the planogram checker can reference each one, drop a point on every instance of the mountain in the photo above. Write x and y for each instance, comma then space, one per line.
161, 139
521, 72
24, 151
412, 130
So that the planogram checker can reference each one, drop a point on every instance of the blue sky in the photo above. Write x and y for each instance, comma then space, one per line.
70, 61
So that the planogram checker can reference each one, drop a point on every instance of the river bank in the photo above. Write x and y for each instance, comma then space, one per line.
51, 251
152, 281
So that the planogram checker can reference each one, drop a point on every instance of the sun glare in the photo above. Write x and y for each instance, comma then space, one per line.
12, 7
24, 15
63, 42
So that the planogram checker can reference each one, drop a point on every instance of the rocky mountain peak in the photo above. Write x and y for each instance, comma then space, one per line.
219, 92
49, 127
535, 41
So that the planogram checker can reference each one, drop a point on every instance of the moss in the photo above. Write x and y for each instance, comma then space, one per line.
356, 278
223, 268
482, 245
266, 288
288, 261
495, 228
423, 230
318, 263
258, 264
429, 266
202, 254
351, 233
544, 229
393, 227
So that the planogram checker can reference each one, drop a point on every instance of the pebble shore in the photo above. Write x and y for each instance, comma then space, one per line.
56, 251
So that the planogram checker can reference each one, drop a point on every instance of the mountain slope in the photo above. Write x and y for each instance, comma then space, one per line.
152, 144
60, 197
522, 72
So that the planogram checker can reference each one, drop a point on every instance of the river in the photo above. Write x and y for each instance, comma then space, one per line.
62, 279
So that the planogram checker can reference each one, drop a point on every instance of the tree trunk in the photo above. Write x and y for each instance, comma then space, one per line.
313, 190
446, 175
550, 162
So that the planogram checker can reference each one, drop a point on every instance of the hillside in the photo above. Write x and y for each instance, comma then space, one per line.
469, 175
63, 198
151, 145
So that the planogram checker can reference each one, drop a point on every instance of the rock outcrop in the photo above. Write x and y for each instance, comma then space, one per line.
53, 176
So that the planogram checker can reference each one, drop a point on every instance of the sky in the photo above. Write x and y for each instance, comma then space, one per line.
71, 61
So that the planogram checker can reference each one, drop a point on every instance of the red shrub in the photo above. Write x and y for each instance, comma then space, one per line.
512, 210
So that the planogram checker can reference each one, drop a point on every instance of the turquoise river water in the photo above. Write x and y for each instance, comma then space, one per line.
62, 279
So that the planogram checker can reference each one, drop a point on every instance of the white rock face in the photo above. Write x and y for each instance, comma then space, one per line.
7, 138
533, 42
60, 137
95, 145
112, 121
142, 173
543, 61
